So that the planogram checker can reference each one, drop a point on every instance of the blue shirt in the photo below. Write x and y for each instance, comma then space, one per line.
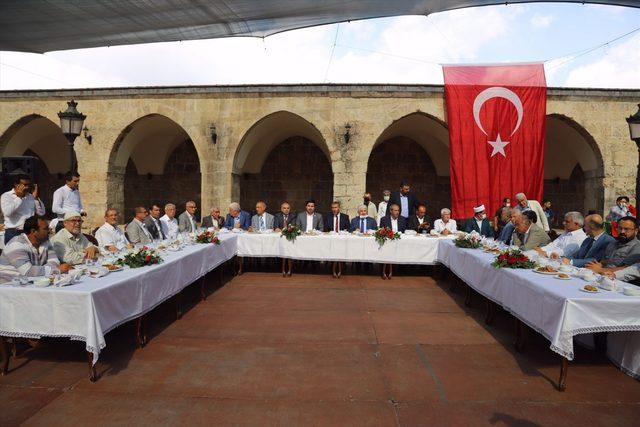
404, 206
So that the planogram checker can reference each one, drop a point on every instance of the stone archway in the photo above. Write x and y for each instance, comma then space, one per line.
153, 161
283, 157
413, 148
573, 168
37, 136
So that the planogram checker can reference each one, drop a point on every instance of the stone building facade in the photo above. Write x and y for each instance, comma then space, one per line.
218, 144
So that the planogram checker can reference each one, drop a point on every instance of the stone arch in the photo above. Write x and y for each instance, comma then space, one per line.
37, 136
416, 148
283, 156
573, 168
153, 160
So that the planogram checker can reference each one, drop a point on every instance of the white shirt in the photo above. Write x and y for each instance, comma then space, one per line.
382, 211
16, 210
169, 227
479, 222
439, 226
66, 200
108, 235
394, 225
567, 244
309, 223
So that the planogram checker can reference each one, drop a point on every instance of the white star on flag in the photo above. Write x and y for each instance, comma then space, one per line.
498, 146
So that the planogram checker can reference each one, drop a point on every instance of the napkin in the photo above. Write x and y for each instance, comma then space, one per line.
98, 271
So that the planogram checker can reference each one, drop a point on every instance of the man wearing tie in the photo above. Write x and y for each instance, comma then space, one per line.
405, 199
283, 218
153, 223
262, 220
310, 220
137, 231
336, 221
187, 219
593, 247
394, 220
363, 223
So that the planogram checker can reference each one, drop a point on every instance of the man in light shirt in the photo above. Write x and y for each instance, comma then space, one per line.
523, 205
394, 220
187, 219
71, 246
169, 222
109, 236
445, 225
137, 230
18, 204
310, 220
213, 220
382, 206
262, 220
30, 253
568, 243
67, 198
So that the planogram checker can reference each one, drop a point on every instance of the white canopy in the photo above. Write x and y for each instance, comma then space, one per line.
46, 25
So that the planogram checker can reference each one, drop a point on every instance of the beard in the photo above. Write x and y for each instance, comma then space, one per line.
625, 239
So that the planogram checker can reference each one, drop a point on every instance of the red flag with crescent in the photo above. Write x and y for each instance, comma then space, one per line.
496, 117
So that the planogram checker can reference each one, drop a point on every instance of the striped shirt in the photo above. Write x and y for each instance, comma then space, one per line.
20, 257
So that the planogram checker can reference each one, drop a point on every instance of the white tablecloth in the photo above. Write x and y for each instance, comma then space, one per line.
555, 308
335, 247
88, 310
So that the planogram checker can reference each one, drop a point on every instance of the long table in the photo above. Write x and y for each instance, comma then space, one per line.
556, 309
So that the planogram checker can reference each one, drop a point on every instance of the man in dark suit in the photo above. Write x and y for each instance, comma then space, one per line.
237, 218
420, 222
479, 222
593, 247
405, 199
394, 221
213, 220
152, 221
284, 217
310, 219
336, 221
363, 222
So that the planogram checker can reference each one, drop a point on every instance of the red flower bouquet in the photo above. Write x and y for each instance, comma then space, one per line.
383, 234
141, 258
290, 232
207, 237
512, 258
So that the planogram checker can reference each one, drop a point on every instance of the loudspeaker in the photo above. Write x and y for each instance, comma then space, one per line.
27, 165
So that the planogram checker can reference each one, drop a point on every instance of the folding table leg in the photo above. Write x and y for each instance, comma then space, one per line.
6, 355
203, 289
467, 296
240, 262
520, 332
93, 376
141, 331
564, 368
491, 312
178, 302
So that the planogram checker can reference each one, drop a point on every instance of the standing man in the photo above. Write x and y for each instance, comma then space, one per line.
169, 222
283, 218
419, 221
336, 221
479, 223
533, 205
309, 219
371, 207
187, 219
71, 246
394, 220
382, 207
67, 198
262, 220
213, 220
109, 236
237, 218
363, 223
137, 229
152, 221
405, 199
18, 204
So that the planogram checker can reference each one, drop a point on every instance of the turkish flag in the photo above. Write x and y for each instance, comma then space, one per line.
496, 116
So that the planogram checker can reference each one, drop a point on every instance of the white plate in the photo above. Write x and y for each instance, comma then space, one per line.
589, 292
117, 269
557, 276
546, 273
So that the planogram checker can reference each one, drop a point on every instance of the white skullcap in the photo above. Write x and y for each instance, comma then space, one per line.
478, 209
71, 214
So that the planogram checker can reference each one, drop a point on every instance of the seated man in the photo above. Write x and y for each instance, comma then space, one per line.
213, 220
445, 225
527, 235
479, 223
71, 246
594, 246
309, 219
625, 251
363, 223
109, 236
31, 253
419, 221
169, 223
336, 220
283, 218
152, 221
568, 243
394, 220
262, 220
237, 218
187, 219
506, 235
137, 229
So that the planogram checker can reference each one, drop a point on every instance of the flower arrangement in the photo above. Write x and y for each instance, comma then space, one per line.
207, 237
468, 241
291, 232
513, 258
383, 234
141, 258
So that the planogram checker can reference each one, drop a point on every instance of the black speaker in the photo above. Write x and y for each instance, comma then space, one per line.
27, 165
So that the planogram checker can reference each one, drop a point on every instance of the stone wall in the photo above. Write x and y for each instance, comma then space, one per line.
399, 159
179, 183
296, 170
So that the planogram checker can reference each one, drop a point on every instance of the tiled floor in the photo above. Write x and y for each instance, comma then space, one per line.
312, 350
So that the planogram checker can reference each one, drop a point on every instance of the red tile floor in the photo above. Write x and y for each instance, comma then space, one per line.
313, 350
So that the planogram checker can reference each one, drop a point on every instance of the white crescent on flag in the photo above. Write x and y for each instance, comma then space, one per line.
497, 92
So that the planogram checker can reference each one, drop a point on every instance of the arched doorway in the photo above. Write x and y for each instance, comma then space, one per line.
573, 168
413, 148
283, 157
157, 162
37, 136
